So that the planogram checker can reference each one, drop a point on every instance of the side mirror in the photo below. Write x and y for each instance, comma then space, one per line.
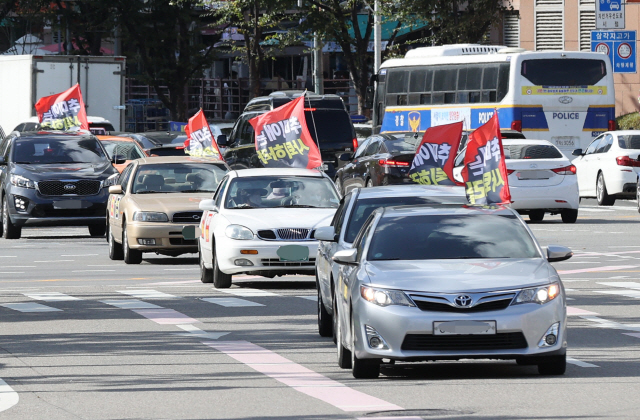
557, 253
118, 159
115, 189
577, 152
207, 205
347, 257
368, 97
222, 140
346, 157
326, 233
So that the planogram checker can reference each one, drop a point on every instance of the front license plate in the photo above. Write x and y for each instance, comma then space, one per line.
68, 204
464, 327
293, 253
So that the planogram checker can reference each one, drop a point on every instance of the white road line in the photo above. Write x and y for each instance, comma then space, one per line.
54, 261
165, 316
79, 255
130, 304
30, 307
231, 302
589, 270
636, 335
580, 363
147, 294
18, 266
182, 269
247, 292
627, 293
605, 323
196, 332
11, 272
8, 256
8, 397
171, 283
313, 297
91, 271
626, 284
51, 296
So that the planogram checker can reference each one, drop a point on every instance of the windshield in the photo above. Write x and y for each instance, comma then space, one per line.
629, 142
281, 191
332, 125
126, 149
178, 178
363, 208
564, 71
405, 144
431, 237
60, 150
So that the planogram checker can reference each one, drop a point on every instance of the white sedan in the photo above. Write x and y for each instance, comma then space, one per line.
261, 222
609, 168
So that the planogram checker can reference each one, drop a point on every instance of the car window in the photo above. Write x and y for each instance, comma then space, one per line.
362, 148
450, 236
373, 147
594, 144
364, 207
126, 149
605, 144
123, 180
178, 178
533, 151
631, 141
338, 219
361, 239
220, 192
246, 132
330, 126
403, 145
6, 149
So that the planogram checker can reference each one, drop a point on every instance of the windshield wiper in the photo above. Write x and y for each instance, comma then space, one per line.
190, 191
386, 259
24, 163
246, 206
299, 206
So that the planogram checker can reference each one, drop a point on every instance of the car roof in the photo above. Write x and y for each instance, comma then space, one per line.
116, 138
176, 159
445, 210
513, 142
59, 135
624, 132
246, 173
411, 190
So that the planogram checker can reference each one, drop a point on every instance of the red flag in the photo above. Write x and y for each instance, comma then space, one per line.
63, 110
433, 163
200, 141
283, 139
485, 172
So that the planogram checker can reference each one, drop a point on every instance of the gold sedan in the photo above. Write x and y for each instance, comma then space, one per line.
153, 199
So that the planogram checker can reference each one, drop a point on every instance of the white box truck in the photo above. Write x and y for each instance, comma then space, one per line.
26, 78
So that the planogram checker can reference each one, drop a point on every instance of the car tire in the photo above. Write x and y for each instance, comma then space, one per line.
130, 256
604, 199
556, 365
362, 368
536, 215
369, 183
569, 215
220, 279
97, 230
115, 249
206, 274
334, 318
9, 230
344, 355
325, 323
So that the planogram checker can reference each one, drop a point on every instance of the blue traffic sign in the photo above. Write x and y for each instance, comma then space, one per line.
610, 5
620, 46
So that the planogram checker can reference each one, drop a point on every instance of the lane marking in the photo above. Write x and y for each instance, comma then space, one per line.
626, 284
605, 323
300, 378
182, 269
11, 272
580, 363
596, 269
231, 302
637, 335
626, 293
8, 256
312, 297
79, 255
147, 294
53, 261
573, 311
8, 397
170, 282
165, 316
30, 307
247, 292
51, 296
391, 418
130, 304
196, 332
89, 271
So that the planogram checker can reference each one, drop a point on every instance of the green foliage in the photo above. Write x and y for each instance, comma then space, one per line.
629, 121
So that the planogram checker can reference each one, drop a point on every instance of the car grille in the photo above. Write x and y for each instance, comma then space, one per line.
80, 187
187, 217
275, 262
430, 342
445, 307
267, 234
182, 241
286, 234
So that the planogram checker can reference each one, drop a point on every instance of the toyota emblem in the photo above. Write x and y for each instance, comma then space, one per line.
462, 300
69, 187
565, 99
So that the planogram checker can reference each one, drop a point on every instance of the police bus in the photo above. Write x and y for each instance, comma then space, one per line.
566, 97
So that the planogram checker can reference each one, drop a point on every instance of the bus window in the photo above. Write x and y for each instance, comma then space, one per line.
563, 71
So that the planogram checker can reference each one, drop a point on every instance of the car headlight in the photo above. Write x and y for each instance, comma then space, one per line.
150, 216
539, 295
20, 181
238, 232
384, 297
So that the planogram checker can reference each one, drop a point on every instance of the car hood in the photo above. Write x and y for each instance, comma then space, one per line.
454, 276
169, 203
41, 172
280, 218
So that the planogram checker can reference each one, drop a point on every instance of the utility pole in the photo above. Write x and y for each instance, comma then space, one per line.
377, 37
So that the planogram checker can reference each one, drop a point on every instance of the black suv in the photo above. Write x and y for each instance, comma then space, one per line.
53, 179
327, 113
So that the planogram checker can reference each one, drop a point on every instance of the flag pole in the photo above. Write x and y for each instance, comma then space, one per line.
313, 121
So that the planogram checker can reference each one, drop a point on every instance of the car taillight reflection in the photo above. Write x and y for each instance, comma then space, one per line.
392, 163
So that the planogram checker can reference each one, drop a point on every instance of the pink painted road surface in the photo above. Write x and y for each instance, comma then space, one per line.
165, 316
300, 378
571, 310
596, 269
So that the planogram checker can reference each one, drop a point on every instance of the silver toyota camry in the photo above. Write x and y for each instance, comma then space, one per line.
449, 283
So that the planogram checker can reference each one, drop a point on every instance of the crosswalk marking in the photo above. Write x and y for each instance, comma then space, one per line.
231, 302
312, 297
626, 284
628, 293
30, 307
247, 292
147, 294
165, 316
51, 296
130, 304
580, 363
196, 332
573, 311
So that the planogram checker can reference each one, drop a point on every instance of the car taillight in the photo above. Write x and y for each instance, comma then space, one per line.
516, 125
612, 125
392, 163
355, 144
627, 161
510, 171
565, 170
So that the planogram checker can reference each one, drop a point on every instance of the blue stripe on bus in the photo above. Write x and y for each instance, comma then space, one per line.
598, 118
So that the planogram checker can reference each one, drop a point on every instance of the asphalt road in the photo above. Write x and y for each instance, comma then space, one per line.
83, 337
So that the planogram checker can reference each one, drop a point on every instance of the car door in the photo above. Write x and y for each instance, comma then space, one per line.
605, 161
216, 219
365, 164
585, 169
116, 205
349, 170
245, 148
206, 235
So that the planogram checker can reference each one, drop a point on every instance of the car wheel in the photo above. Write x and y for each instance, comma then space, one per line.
638, 196
97, 230
604, 199
130, 256
362, 368
220, 279
206, 274
325, 323
344, 355
536, 215
9, 230
569, 215
369, 183
339, 186
556, 365
115, 249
